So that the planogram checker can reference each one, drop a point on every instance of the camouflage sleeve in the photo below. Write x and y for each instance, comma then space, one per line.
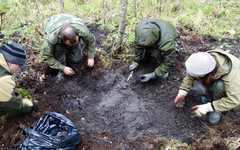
90, 41
48, 58
138, 53
169, 59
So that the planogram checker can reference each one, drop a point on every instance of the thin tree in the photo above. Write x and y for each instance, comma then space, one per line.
62, 10
105, 11
39, 14
1, 15
40, 18
122, 24
135, 8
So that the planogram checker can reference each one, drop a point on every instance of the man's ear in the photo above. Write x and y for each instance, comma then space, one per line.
9, 64
60, 36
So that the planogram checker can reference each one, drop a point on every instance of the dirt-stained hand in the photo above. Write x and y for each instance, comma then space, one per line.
179, 101
68, 71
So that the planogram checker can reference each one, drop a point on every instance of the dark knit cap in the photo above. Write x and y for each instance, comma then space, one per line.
13, 53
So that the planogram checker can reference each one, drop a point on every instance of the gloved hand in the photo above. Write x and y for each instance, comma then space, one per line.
201, 110
179, 101
147, 77
133, 66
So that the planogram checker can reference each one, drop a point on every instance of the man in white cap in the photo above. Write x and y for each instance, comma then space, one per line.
214, 76
12, 57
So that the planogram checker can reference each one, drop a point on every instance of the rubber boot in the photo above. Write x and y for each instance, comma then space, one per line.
214, 117
59, 76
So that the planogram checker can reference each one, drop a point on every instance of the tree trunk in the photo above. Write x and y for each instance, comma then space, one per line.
62, 6
122, 24
135, 8
105, 11
158, 8
39, 14
1, 21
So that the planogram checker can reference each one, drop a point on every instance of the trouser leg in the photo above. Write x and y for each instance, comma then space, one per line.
203, 93
75, 54
59, 53
62, 52
157, 55
218, 90
209, 94
215, 92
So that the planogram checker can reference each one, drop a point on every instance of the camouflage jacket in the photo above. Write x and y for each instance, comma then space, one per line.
51, 37
159, 35
229, 72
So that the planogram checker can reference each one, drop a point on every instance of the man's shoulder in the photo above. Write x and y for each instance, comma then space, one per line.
57, 21
7, 85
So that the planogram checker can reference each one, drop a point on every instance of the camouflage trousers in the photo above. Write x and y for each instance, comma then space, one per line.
61, 52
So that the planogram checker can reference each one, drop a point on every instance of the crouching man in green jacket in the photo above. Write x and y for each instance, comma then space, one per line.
12, 56
214, 76
158, 39
63, 33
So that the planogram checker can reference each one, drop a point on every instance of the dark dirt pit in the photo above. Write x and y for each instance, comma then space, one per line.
120, 114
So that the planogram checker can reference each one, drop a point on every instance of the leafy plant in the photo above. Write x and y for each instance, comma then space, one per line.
23, 93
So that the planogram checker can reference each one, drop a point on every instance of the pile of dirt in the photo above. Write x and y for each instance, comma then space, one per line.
119, 114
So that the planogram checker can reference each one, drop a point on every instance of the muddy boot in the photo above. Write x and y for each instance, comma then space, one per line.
59, 76
214, 117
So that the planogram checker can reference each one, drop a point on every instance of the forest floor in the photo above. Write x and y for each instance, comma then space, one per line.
120, 114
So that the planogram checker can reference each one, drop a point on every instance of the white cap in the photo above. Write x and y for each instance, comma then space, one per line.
199, 64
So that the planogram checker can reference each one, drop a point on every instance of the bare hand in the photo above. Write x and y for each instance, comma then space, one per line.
68, 71
90, 62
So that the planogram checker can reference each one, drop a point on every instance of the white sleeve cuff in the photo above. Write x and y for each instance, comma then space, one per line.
182, 92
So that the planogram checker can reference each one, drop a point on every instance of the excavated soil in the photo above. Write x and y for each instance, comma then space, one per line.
119, 114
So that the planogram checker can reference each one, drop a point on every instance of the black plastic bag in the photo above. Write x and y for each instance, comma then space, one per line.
52, 131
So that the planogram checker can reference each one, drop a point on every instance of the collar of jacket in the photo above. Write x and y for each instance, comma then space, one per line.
3, 63
221, 72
